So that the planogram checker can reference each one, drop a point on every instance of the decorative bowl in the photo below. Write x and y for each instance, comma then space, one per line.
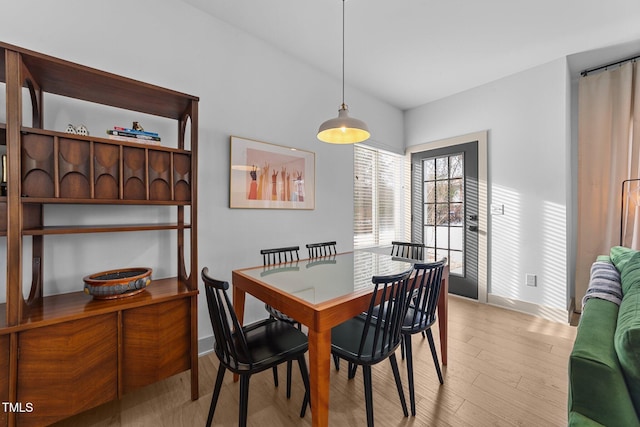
120, 283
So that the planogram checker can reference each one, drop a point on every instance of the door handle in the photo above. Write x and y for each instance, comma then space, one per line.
473, 228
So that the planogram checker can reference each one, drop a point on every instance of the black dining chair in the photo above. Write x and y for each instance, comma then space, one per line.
278, 256
371, 338
408, 250
323, 250
246, 350
421, 315
317, 250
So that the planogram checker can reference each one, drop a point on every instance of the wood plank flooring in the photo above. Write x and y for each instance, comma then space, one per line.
505, 369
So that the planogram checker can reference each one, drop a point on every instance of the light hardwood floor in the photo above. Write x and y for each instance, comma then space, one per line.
505, 368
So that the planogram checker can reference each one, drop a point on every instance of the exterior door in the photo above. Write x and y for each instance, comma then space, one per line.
445, 211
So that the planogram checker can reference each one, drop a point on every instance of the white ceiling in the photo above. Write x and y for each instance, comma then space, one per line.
410, 52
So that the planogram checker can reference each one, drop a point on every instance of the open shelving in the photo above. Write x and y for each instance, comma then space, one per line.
91, 351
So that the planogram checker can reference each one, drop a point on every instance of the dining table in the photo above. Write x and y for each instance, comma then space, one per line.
321, 293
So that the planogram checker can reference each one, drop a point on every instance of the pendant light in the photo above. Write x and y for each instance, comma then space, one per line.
343, 129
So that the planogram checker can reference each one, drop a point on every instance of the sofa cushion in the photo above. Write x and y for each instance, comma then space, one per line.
627, 341
576, 419
627, 261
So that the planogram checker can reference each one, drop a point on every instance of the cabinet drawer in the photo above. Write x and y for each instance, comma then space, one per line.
156, 342
67, 368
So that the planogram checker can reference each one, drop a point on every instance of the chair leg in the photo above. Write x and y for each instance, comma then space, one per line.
289, 366
402, 346
275, 375
336, 361
434, 354
216, 394
244, 400
396, 375
352, 370
412, 396
368, 393
307, 387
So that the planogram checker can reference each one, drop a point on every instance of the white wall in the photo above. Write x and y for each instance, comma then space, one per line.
528, 148
246, 88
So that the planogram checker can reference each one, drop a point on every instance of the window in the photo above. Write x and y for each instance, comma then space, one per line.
378, 197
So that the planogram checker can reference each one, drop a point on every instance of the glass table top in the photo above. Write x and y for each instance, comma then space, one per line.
323, 279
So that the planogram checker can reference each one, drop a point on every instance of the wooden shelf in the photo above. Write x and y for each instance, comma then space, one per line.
75, 305
102, 140
82, 229
72, 80
67, 201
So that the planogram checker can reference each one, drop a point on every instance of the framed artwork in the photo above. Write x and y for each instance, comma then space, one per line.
270, 176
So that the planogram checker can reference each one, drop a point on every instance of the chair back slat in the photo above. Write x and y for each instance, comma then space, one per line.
280, 255
317, 250
427, 282
230, 342
408, 250
381, 334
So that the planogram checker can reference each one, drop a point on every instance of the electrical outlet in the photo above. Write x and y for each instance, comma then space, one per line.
497, 209
530, 279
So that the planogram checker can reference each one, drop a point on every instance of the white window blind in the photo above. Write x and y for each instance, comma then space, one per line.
377, 197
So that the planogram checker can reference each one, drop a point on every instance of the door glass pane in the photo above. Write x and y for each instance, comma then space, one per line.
442, 237
456, 166
430, 256
456, 192
455, 262
430, 215
430, 236
442, 191
442, 214
456, 236
430, 192
429, 166
442, 253
456, 214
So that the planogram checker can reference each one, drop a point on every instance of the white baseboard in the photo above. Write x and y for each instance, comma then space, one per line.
549, 313
205, 345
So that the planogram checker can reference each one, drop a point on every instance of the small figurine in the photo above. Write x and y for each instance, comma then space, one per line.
71, 129
82, 130
136, 126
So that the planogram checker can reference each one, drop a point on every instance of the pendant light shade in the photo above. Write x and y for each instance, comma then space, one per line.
343, 129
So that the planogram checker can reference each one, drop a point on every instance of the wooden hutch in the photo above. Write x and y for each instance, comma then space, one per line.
63, 354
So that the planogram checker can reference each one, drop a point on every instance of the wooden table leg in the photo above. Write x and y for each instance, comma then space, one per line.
319, 366
443, 314
238, 306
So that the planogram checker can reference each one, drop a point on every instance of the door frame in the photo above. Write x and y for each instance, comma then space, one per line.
483, 187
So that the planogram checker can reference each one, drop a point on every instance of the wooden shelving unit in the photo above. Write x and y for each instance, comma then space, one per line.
63, 354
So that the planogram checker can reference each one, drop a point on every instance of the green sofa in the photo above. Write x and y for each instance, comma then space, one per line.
604, 366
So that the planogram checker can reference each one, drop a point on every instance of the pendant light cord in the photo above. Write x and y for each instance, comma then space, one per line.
343, 1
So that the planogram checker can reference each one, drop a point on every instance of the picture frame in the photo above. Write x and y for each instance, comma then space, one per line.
270, 176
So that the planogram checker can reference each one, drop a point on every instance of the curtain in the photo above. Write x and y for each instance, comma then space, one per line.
608, 154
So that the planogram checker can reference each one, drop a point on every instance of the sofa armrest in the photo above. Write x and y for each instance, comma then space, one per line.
576, 419
597, 388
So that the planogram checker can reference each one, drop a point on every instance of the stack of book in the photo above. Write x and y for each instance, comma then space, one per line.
132, 135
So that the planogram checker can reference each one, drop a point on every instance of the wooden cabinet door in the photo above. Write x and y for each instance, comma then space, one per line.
4, 375
66, 368
156, 342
